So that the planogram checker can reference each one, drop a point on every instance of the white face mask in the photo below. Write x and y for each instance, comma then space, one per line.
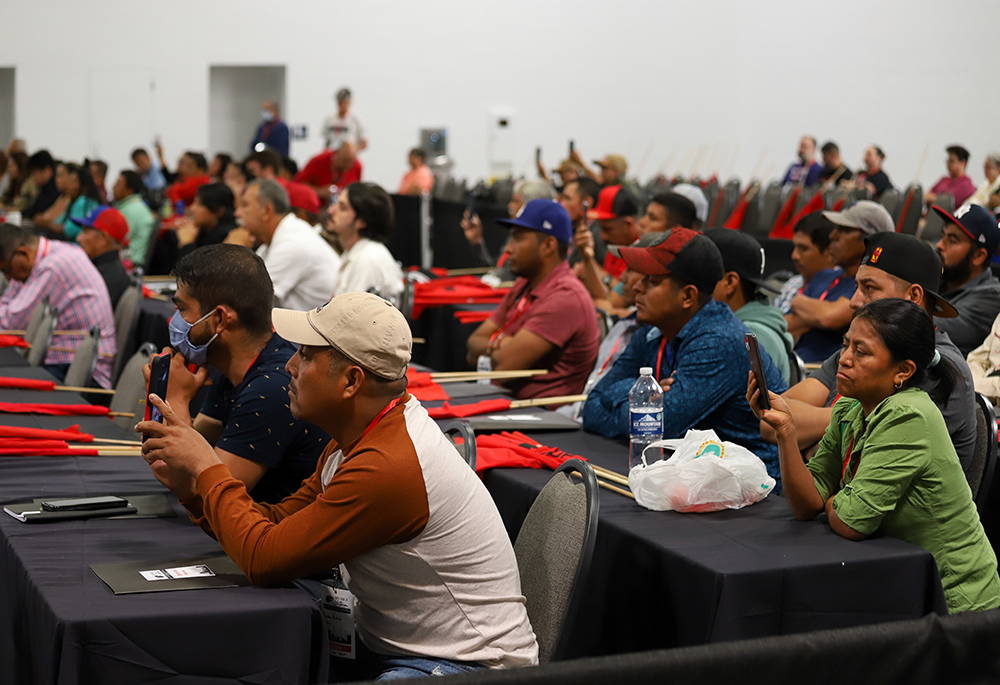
267, 115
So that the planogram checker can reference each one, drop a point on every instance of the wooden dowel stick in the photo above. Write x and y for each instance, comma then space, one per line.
115, 441
419, 341
121, 413
542, 401
77, 388
610, 475
608, 486
473, 271
106, 355
518, 373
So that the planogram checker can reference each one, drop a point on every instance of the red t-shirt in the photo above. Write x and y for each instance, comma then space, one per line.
317, 172
561, 311
184, 189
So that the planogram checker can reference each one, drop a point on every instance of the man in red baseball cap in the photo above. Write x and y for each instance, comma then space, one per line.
616, 213
102, 235
693, 343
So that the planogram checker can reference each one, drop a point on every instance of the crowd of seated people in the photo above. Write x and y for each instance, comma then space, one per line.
242, 236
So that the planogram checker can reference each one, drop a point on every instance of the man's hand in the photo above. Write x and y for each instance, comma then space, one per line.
668, 381
583, 241
472, 227
180, 447
178, 483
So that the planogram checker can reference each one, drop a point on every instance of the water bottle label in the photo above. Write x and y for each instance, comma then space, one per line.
646, 424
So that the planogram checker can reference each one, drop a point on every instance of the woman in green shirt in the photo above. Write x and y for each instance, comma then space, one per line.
886, 463
78, 198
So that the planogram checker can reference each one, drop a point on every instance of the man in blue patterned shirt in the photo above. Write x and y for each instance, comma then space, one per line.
694, 344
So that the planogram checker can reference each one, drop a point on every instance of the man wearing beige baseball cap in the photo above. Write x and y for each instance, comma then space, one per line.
389, 492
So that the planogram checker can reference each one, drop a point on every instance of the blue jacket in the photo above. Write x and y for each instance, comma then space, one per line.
276, 138
711, 363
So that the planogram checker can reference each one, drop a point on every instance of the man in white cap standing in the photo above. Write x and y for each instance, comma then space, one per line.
435, 582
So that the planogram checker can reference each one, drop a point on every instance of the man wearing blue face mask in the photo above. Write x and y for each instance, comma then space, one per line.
272, 132
223, 300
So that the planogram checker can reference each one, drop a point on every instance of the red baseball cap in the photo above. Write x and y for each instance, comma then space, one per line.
302, 197
613, 202
681, 252
107, 220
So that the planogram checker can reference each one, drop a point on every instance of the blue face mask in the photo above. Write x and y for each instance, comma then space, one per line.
179, 330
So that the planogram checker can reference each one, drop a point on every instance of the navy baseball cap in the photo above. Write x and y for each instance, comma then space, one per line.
978, 223
544, 216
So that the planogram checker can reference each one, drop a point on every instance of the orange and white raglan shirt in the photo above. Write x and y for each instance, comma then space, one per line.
426, 553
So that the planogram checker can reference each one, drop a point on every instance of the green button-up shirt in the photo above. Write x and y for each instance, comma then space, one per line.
141, 223
897, 473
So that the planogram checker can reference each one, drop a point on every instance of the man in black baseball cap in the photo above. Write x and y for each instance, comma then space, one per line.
740, 287
969, 241
895, 265
694, 345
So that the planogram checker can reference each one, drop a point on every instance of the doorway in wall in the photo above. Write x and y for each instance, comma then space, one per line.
234, 104
6, 105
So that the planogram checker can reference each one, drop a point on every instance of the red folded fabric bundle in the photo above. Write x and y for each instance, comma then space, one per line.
22, 443
781, 229
455, 290
515, 450
431, 391
474, 316
814, 205
414, 379
735, 220
53, 409
72, 433
64, 452
26, 383
13, 341
458, 411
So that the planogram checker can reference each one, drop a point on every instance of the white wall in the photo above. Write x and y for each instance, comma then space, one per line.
653, 79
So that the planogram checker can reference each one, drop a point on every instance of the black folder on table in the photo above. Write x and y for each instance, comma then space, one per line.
132, 577
535, 419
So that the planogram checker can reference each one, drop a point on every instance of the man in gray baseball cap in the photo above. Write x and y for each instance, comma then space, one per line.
389, 492
822, 312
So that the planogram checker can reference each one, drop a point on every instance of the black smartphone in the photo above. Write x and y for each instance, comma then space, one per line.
538, 155
572, 147
159, 374
757, 366
85, 503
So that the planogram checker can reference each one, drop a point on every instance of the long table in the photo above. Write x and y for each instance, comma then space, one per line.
59, 623
665, 579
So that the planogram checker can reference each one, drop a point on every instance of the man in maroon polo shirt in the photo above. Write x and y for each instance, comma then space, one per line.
547, 320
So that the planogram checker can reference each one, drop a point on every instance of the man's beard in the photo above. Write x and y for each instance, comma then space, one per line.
959, 273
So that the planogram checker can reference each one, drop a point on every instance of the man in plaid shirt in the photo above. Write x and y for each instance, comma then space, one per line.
37, 267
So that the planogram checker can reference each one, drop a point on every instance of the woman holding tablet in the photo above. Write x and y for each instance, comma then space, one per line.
886, 463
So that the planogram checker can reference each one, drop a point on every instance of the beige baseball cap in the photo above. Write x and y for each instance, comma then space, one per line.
363, 327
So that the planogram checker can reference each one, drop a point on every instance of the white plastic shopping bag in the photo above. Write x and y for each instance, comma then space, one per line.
704, 474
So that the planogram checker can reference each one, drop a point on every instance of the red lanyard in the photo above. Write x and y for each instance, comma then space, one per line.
847, 459
659, 359
522, 305
611, 356
831, 287
378, 418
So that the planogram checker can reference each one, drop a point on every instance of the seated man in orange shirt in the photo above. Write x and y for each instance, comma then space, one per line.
419, 179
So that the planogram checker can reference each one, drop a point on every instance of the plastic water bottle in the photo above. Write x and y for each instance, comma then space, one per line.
645, 409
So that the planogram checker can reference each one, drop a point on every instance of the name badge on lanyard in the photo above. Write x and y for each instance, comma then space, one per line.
484, 365
337, 607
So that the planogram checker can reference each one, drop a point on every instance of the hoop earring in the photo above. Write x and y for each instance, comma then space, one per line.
898, 386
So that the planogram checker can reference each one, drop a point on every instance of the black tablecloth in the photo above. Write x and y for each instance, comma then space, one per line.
60, 623
445, 336
10, 356
663, 579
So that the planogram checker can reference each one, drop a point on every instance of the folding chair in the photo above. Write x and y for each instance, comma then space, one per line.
81, 369
461, 429
130, 390
553, 549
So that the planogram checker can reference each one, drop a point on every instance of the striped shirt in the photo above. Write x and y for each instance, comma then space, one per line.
75, 288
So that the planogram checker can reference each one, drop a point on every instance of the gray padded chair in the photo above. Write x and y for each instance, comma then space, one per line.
730, 196
908, 224
461, 429
604, 322
770, 205
42, 338
984, 458
126, 323
892, 202
553, 549
934, 224
41, 309
130, 391
81, 369
796, 369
